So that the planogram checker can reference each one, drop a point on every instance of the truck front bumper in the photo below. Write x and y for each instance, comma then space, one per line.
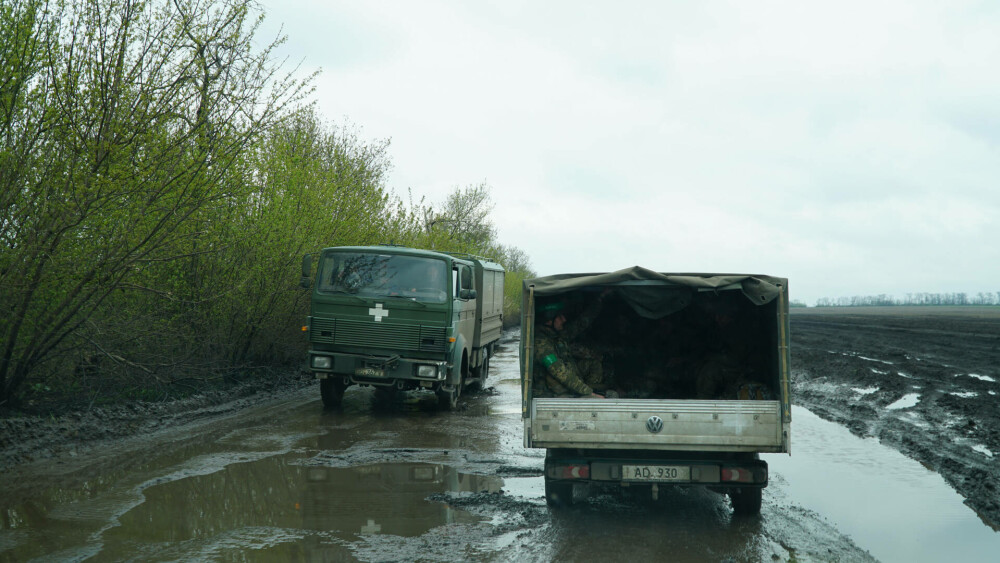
378, 370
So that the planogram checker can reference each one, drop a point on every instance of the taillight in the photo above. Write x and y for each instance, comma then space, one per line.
737, 475
574, 471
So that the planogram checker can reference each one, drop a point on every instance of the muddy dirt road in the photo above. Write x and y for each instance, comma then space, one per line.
286, 481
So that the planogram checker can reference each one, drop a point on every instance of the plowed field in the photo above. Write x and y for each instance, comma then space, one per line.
924, 380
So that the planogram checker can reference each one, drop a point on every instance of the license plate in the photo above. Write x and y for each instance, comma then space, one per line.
655, 473
369, 372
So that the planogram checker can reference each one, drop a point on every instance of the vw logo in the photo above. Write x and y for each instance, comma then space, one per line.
654, 424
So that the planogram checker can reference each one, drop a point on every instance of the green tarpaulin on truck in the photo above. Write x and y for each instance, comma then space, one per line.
653, 294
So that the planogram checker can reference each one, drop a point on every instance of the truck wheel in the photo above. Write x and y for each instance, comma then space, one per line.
332, 391
449, 400
558, 493
480, 374
746, 502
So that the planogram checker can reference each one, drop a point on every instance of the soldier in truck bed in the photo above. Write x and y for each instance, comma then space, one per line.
567, 370
728, 364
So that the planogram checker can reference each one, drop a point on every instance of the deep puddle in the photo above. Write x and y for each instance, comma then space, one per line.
267, 506
385, 498
889, 504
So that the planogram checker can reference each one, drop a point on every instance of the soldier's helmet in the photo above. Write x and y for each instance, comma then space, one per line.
551, 310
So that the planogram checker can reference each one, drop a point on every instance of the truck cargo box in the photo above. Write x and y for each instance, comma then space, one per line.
683, 372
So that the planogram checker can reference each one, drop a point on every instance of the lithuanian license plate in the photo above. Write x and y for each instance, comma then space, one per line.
655, 473
369, 372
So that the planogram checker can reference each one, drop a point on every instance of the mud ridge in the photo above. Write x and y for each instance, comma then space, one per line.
921, 381
25, 439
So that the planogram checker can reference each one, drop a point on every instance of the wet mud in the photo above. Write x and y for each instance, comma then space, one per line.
279, 478
27, 439
923, 380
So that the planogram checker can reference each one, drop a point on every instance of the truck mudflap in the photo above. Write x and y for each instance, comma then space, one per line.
652, 424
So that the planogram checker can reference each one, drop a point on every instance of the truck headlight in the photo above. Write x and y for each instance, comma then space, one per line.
429, 372
321, 362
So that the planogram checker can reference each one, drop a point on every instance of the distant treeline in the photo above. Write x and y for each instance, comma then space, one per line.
883, 300
161, 177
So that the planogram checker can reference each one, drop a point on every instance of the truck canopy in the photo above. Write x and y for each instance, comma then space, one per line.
669, 336
644, 289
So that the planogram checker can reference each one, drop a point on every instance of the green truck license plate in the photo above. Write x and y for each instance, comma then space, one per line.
369, 372
655, 473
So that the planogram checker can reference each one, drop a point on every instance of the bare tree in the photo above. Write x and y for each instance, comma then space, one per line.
464, 218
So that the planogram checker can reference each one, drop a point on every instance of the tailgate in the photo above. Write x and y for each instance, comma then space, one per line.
727, 425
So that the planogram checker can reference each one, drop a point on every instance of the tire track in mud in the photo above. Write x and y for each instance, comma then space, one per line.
852, 369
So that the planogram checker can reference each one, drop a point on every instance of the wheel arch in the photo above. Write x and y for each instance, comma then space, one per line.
459, 361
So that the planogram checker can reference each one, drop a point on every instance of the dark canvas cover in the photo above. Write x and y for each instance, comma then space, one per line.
654, 294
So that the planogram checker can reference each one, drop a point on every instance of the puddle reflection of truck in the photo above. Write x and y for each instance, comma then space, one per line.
401, 318
699, 364
388, 498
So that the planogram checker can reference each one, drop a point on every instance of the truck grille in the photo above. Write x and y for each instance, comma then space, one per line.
321, 330
378, 335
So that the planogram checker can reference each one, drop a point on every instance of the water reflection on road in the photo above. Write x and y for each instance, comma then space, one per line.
889, 504
294, 482
274, 496
689, 525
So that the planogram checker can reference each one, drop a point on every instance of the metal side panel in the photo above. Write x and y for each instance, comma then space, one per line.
632, 423
490, 330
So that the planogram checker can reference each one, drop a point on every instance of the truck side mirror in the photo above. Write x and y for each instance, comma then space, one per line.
307, 261
467, 294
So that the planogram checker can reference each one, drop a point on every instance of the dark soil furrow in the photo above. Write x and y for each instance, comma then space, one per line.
852, 368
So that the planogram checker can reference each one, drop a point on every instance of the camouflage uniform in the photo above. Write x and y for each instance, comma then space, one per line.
565, 369
591, 365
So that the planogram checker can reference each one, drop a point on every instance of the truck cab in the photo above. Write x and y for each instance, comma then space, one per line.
687, 381
398, 318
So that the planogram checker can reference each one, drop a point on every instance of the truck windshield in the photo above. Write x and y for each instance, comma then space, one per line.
384, 275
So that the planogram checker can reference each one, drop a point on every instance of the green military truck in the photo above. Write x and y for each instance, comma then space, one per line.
399, 318
680, 380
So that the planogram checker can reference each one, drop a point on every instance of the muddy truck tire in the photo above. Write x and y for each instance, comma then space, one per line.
558, 493
331, 390
448, 400
480, 374
746, 501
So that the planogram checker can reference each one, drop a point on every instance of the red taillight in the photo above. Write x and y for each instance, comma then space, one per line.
737, 475
575, 472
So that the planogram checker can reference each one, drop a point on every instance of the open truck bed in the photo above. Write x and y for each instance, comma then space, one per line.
699, 365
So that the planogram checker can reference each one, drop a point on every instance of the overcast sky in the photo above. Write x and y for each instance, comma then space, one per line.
849, 146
